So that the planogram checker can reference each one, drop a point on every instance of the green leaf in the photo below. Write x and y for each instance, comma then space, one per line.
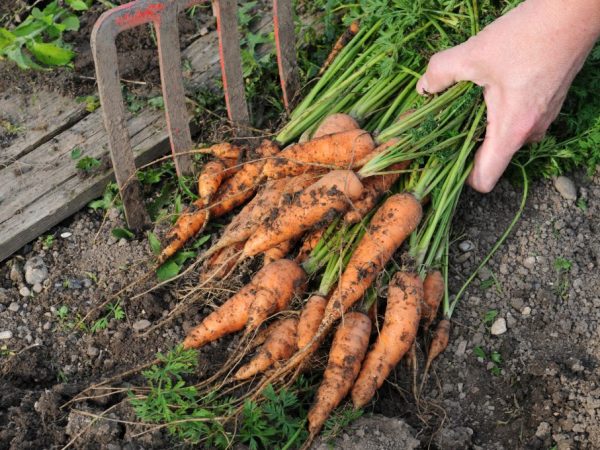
6, 38
181, 257
122, 233
157, 102
489, 316
200, 241
154, 243
77, 5
496, 357
167, 271
71, 23
22, 60
76, 153
50, 54
478, 352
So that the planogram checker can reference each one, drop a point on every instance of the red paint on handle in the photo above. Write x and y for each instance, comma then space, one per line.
141, 16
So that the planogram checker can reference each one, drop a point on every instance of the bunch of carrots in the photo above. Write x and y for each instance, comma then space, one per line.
363, 170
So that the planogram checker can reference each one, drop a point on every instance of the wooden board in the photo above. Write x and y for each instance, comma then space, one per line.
40, 185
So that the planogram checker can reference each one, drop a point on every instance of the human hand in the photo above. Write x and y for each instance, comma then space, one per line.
525, 61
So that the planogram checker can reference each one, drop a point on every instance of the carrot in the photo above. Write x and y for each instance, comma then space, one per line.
279, 345
433, 293
310, 319
393, 222
278, 252
223, 150
376, 151
233, 192
402, 314
210, 179
346, 37
220, 263
270, 291
347, 352
439, 343
188, 224
310, 242
317, 203
335, 123
278, 283
241, 186
337, 150
375, 187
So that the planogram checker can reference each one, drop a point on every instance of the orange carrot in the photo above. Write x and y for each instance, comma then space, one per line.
210, 179
279, 345
375, 187
433, 293
439, 343
393, 222
346, 37
337, 150
318, 203
335, 123
347, 352
278, 282
402, 314
376, 151
310, 242
188, 224
223, 150
270, 291
241, 186
310, 319
278, 252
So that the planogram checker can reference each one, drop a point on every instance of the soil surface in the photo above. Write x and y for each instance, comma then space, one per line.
540, 294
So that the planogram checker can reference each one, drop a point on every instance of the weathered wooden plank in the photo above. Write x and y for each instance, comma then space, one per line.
285, 42
40, 115
46, 199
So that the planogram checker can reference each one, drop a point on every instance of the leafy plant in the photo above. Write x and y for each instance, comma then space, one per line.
109, 199
494, 357
114, 310
122, 233
562, 264
62, 313
490, 316
92, 102
37, 42
48, 241
87, 164
562, 267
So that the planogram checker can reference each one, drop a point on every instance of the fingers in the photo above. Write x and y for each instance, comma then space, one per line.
445, 69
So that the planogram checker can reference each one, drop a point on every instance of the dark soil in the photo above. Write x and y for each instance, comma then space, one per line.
544, 392
138, 60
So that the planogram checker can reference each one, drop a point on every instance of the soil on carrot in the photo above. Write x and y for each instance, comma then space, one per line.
521, 370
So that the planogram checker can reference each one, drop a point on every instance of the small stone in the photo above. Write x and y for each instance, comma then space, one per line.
66, 234
24, 291
566, 188
203, 31
499, 327
526, 311
360, 432
577, 367
484, 273
141, 325
6, 335
37, 288
517, 303
466, 246
511, 322
87, 283
529, 262
543, 430
14, 307
461, 348
47, 326
15, 273
92, 352
463, 258
35, 270
504, 269
122, 242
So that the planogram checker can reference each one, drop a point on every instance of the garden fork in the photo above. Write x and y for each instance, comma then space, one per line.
163, 16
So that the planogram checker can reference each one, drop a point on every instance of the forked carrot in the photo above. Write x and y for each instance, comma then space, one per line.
400, 325
279, 345
210, 179
270, 291
347, 352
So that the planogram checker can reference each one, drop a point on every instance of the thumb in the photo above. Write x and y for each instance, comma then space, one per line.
444, 69
492, 159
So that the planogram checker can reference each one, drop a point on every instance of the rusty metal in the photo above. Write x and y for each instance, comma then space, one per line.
163, 16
